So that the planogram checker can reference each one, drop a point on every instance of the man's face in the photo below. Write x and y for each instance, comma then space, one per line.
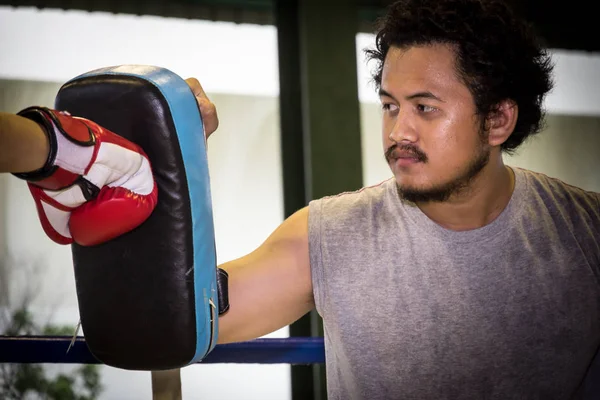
432, 138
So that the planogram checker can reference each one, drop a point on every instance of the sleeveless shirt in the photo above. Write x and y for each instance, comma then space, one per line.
412, 310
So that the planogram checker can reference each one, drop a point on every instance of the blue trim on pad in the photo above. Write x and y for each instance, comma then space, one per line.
190, 131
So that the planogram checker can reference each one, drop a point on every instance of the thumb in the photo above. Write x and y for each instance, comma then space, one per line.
208, 110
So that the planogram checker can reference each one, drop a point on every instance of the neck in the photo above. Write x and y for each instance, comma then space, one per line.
477, 205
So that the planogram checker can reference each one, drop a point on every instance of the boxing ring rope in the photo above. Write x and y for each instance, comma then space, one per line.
53, 350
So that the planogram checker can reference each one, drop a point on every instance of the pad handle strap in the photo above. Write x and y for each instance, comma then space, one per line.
223, 290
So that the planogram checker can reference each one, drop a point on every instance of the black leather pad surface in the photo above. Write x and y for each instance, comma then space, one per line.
136, 293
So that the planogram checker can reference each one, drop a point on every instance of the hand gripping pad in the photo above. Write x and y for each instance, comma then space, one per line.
145, 297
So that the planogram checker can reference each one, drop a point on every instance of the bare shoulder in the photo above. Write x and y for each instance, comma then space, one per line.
295, 228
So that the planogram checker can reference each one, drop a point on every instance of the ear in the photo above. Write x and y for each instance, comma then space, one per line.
501, 122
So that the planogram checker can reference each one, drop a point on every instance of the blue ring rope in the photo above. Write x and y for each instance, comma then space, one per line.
53, 350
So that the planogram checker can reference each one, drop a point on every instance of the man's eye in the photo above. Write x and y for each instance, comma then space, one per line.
389, 107
426, 109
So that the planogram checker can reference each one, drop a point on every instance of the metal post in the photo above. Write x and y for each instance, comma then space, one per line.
320, 126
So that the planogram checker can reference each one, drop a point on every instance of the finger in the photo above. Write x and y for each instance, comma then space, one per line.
207, 107
209, 115
196, 87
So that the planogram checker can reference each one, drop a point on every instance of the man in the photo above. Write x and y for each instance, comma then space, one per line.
460, 277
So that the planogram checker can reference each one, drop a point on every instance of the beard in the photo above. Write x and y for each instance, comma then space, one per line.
444, 191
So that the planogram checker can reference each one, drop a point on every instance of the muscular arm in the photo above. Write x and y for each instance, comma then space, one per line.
23, 144
270, 287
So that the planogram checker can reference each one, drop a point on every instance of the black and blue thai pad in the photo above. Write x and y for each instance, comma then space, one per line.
150, 299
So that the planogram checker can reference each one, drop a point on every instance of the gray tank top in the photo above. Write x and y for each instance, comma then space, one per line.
414, 311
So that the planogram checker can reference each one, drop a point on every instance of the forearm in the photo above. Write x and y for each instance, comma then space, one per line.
271, 287
24, 146
263, 298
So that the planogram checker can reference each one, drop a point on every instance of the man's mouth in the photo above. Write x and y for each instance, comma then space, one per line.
406, 160
405, 156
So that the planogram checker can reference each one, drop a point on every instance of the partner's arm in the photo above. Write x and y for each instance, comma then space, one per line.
24, 146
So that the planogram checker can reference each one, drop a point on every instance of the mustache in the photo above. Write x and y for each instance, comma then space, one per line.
407, 149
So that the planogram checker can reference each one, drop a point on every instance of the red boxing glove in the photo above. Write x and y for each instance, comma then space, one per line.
95, 185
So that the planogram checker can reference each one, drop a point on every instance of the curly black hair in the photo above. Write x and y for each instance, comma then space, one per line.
498, 54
